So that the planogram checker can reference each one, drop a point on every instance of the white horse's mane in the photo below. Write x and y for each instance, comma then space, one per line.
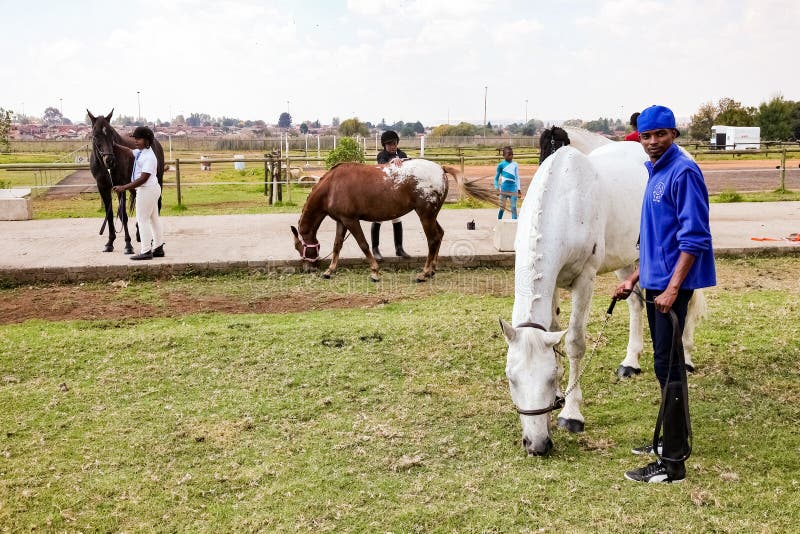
584, 140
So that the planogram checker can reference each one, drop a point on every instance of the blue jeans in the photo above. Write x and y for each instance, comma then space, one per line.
513, 199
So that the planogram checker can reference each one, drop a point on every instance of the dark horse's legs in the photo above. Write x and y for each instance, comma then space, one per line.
105, 195
123, 214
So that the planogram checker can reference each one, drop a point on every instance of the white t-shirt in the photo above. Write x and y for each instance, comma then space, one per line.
145, 162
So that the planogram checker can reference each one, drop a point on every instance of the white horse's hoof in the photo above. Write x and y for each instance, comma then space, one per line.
572, 425
623, 371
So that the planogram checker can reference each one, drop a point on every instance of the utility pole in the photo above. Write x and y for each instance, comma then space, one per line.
485, 94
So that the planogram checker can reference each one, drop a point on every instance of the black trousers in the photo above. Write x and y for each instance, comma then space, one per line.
661, 333
675, 429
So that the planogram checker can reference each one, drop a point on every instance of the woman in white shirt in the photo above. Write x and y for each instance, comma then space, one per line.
148, 192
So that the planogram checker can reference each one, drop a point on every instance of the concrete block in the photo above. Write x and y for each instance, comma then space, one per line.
15, 205
504, 234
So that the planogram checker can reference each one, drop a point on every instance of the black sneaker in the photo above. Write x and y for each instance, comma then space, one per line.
655, 472
647, 449
158, 252
143, 256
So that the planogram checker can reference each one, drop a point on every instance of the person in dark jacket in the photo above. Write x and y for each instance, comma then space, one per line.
389, 141
675, 258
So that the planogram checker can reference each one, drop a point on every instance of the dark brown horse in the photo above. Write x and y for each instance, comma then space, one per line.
112, 165
352, 192
551, 140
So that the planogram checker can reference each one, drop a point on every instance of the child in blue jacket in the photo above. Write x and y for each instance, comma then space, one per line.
507, 181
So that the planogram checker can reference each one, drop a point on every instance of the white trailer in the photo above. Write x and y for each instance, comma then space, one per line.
735, 138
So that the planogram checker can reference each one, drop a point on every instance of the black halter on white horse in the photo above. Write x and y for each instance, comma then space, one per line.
551, 140
558, 402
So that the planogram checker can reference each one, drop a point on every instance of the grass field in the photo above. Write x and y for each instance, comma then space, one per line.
392, 416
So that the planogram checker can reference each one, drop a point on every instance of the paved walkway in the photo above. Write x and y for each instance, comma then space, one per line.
70, 249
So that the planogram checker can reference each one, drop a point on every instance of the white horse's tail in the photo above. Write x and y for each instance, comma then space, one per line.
698, 308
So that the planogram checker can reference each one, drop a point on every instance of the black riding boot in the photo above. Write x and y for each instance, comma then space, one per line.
398, 240
676, 431
376, 239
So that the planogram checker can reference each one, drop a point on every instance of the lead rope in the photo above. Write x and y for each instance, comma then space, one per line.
599, 336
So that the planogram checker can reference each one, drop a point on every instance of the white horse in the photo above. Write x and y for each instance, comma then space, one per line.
580, 219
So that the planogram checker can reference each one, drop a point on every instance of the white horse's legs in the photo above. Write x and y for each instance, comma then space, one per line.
571, 417
630, 365
695, 313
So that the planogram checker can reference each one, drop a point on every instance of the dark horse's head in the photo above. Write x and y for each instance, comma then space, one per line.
551, 140
103, 138
307, 246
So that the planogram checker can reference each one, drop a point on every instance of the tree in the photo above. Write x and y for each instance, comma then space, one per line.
463, 129
304, 128
5, 129
352, 127
732, 113
776, 119
285, 120
52, 116
702, 121
347, 150
122, 120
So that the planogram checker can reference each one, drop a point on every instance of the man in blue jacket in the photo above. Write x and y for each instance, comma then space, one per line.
675, 258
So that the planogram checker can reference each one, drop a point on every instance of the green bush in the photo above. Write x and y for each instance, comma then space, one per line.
346, 150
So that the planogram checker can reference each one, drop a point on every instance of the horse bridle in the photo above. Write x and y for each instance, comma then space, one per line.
307, 246
559, 401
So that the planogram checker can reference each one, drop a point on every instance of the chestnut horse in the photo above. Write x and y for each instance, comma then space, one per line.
353, 192
112, 165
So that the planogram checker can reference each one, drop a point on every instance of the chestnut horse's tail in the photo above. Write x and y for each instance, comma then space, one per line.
473, 189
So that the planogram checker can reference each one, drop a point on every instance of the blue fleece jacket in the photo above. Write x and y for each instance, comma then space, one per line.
675, 219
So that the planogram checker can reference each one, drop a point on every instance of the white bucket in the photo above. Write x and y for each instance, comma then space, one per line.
204, 165
504, 235
238, 165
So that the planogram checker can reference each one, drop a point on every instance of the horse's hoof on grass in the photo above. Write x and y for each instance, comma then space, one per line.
375, 279
623, 371
571, 425
326, 276
420, 279
689, 368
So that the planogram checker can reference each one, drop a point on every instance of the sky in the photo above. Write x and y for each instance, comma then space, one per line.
433, 61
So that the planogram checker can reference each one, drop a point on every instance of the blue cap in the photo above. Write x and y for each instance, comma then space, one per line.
656, 118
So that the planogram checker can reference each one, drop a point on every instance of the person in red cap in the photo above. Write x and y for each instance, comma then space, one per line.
675, 258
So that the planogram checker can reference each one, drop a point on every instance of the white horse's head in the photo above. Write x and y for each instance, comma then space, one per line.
533, 375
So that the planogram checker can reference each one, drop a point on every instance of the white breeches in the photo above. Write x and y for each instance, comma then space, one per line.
147, 217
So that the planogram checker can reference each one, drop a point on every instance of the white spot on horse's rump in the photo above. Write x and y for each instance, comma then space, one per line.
428, 176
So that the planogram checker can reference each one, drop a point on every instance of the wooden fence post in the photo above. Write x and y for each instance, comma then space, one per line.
783, 171
178, 179
267, 160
